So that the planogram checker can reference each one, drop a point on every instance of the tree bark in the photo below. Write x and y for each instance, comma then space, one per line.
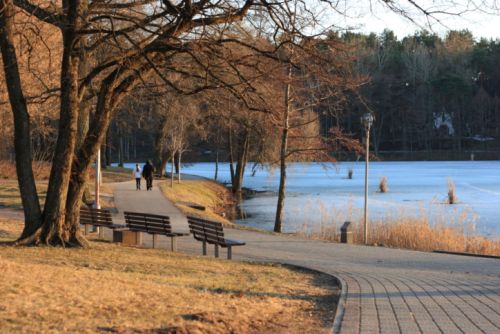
22, 131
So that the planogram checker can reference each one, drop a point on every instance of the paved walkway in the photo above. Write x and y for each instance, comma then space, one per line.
383, 290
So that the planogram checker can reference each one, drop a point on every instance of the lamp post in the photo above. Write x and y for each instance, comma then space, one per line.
97, 179
367, 121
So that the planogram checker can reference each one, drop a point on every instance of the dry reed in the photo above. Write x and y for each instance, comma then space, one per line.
382, 186
433, 228
452, 196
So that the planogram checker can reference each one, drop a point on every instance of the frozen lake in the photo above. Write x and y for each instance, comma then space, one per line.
323, 193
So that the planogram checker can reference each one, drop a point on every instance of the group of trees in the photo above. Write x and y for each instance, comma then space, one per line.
107, 49
242, 75
429, 93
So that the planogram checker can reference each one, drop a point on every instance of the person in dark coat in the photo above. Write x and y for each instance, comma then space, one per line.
147, 173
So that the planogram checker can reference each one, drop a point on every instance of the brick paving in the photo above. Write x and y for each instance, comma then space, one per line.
383, 290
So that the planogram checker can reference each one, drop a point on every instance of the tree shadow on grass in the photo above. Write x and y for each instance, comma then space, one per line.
323, 305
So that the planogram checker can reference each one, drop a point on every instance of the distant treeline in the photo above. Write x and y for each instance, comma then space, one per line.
429, 94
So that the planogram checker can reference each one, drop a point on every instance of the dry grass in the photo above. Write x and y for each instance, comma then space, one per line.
114, 174
9, 189
41, 170
10, 196
113, 289
452, 196
426, 230
216, 198
383, 187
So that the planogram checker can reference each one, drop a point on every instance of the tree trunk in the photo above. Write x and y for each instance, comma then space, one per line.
135, 147
278, 222
179, 156
109, 97
216, 164
120, 148
159, 143
231, 157
22, 131
83, 120
55, 231
163, 166
177, 163
240, 164
172, 158
108, 148
127, 148
104, 162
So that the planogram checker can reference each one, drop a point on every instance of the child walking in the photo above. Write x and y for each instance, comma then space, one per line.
137, 175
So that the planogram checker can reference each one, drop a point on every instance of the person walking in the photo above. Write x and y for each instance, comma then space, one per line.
137, 175
147, 173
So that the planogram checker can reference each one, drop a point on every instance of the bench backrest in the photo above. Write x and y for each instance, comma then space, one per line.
207, 230
96, 217
149, 223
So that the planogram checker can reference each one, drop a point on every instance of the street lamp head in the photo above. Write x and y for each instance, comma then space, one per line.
367, 120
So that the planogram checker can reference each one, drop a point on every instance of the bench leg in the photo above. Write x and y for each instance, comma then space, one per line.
155, 240
216, 250
229, 253
138, 238
204, 247
173, 244
101, 232
86, 229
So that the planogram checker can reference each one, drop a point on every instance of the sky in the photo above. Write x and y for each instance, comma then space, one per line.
376, 18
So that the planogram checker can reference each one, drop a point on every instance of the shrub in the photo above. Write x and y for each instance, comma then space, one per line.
382, 186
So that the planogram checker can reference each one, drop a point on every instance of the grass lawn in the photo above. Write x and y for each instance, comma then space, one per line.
11, 198
114, 289
216, 198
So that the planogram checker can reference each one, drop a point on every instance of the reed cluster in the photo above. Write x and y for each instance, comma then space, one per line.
427, 229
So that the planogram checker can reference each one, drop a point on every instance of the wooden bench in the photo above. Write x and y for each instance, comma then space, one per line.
211, 232
97, 217
152, 224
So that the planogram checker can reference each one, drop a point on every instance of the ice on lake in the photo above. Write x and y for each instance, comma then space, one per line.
322, 194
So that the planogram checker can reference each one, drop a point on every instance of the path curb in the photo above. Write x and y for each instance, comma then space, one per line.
339, 314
